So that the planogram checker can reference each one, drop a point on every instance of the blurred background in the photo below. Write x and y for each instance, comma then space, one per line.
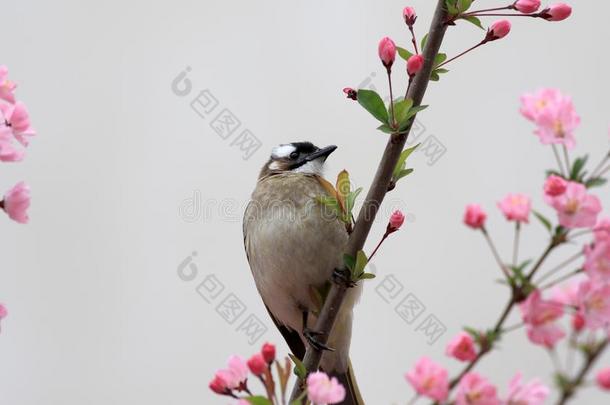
130, 284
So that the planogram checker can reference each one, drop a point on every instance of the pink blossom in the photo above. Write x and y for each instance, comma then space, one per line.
476, 390
396, 221
602, 230
387, 52
532, 393
566, 294
235, 374
268, 352
516, 207
557, 123
429, 379
242, 402
597, 261
16, 202
577, 208
594, 304
474, 216
218, 385
409, 15
8, 152
7, 87
415, 64
324, 390
527, 6
3, 312
462, 347
557, 12
554, 187
539, 316
603, 378
532, 104
498, 30
18, 119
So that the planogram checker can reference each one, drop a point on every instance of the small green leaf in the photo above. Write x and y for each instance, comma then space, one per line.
403, 53
452, 7
401, 111
434, 77
349, 261
441, 71
403, 173
464, 5
595, 182
372, 102
351, 199
402, 160
367, 276
440, 58
385, 128
577, 167
258, 400
424, 41
361, 261
544, 221
412, 112
299, 368
474, 20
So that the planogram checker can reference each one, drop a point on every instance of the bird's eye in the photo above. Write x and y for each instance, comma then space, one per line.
294, 155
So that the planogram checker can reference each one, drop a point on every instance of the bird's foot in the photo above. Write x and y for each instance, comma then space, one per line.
312, 339
343, 277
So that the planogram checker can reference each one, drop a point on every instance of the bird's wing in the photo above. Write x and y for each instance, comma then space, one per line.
292, 337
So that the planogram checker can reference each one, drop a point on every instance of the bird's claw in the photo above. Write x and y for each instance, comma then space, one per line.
343, 277
312, 339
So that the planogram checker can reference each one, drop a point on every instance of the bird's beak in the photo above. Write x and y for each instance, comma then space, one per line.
324, 152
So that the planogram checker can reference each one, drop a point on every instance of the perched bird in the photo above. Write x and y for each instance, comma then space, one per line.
293, 246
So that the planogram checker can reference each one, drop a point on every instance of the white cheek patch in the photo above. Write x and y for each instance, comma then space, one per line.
282, 151
313, 167
274, 166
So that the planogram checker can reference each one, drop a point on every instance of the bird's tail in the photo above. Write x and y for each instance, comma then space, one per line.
348, 380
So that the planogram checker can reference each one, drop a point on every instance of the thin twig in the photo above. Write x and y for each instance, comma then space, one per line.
495, 253
377, 192
567, 159
563, 173
516, 244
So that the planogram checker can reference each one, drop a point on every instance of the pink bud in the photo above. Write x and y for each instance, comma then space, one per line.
462, 347
268, 352
409, 15
218, 385
578, 322
555, 186
387, 52
474, 216
396, 220
16, 203
603, 378
351, 93
527, 6
257, 364
415, 64
498, 30
557, 12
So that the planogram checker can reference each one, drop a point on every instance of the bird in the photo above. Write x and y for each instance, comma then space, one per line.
293, 247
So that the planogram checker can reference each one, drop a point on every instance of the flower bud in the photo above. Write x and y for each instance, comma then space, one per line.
257, 364
498, 30
387, 52
578, 322
603, 378
527, 6
474, 216
351, 93
268, 352
557, 12
415, 64
555, 186
218, 385
409, 15
396, 221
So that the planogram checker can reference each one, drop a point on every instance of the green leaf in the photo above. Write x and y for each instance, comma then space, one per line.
440, 58
403, 173
412, 112
577, 167
361, 261
372, 102
329, 202
402, 160
299, 368
441, 71
351, 199
474, 20
464, 5
595, 182
424, 41
452, 7
544, 221
434, 77
349, 261
385, 128
403, 53
367, 276
258, 400
401, 111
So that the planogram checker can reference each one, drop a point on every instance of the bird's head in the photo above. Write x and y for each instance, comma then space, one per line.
297, 157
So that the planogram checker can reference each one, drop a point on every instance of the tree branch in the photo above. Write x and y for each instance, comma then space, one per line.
378, 190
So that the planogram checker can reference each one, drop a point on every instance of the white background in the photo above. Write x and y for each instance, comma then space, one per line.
98, 314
